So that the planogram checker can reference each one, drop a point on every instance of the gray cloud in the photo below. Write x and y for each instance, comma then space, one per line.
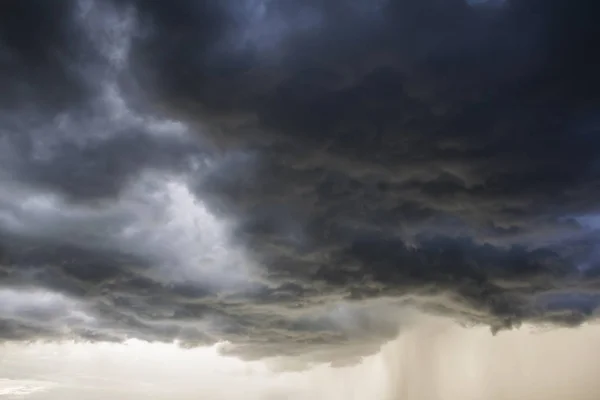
287, 176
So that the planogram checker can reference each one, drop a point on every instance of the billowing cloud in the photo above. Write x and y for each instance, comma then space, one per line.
288, 177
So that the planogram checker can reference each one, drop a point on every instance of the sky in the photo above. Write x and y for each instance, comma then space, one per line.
387, 199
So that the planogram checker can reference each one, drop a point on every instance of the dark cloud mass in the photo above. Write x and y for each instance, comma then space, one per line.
287, 176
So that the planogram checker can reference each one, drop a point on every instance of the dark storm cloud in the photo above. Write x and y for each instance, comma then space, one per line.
363, 156
39, 41
462, 130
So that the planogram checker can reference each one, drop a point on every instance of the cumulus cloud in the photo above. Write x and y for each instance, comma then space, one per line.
287, 176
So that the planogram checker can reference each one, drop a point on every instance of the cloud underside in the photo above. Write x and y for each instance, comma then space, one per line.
291, 177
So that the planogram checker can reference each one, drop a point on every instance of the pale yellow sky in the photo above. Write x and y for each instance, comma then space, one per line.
434, 360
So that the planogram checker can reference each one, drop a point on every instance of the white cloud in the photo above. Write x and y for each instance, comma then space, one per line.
174, 227
19, 388
158, 218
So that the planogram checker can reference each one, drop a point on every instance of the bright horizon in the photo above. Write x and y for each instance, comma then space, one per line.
434, 359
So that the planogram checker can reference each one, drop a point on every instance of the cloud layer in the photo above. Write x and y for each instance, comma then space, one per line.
289, 176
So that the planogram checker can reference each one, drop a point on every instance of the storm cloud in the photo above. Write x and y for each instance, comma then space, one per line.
289, 176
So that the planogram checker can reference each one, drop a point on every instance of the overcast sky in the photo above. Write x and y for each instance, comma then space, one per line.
296, 183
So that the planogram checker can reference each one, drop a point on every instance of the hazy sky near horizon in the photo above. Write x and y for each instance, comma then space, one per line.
298, 183
433, 359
